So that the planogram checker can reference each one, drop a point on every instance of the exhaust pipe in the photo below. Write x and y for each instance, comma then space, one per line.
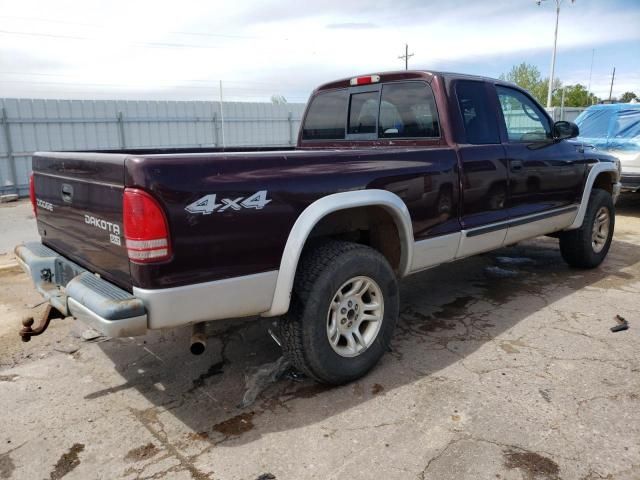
198, 339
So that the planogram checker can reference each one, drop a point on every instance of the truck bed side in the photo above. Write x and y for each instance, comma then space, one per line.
239, 241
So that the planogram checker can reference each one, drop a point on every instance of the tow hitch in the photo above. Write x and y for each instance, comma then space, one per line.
27, 331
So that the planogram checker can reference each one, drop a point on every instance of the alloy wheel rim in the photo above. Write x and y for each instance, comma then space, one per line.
600, 232
355, 316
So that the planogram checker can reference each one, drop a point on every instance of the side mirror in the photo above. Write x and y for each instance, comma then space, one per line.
563, 130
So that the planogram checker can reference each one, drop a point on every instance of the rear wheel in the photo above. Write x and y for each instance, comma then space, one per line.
588, 246
343, 311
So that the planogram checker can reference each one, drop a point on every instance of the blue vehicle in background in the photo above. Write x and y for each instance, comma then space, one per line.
615, 128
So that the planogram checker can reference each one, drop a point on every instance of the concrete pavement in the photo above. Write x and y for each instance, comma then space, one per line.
492, 376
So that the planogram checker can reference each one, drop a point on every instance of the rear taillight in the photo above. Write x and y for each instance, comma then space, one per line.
146, 230
32, 194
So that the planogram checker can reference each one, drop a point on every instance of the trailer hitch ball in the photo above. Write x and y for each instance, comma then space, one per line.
26, 331
29, 331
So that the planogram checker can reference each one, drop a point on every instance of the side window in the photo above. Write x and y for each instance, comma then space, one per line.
524, 119
325, 118
408, 110
479, 120
363, 111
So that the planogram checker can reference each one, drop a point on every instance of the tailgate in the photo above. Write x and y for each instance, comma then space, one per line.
79, 210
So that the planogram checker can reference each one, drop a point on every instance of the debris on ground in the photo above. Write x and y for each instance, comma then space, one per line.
275, 337
66, 348
499, 272
261, 377
142, 453
67, 462
622, 324
294, 375
266, 476
235, 426
92, 335
515, 260
531, 464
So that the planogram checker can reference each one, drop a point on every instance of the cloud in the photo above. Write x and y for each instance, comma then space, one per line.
153, 49
352, 25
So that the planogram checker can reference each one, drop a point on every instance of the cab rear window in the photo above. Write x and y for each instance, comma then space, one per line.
400, 110
326, 117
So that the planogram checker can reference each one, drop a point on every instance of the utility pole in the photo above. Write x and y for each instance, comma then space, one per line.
406, 56
589, 95
593, 54
613, 76
553, 55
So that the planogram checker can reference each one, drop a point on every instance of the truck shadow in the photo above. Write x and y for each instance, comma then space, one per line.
447, 314
629, 204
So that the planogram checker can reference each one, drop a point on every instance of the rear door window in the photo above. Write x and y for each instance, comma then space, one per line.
408, 110
326, 117
478, 118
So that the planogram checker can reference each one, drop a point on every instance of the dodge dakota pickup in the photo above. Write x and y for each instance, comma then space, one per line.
393, 173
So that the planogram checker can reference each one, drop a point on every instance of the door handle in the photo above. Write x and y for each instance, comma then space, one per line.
516, 165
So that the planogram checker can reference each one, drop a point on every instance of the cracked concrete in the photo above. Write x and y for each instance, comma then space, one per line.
504, 378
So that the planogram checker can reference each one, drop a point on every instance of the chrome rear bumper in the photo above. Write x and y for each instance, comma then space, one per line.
77, 292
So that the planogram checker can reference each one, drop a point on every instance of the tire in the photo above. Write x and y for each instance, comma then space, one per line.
312, 333
588, 246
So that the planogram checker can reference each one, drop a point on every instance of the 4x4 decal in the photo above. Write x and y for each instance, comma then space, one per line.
209, 204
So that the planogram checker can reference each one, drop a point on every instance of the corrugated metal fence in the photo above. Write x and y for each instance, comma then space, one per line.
30, 125
565, 113
518, 121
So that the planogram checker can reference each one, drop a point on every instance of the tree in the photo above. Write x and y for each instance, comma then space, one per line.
278, 99
627, 97
576, 96
528, 76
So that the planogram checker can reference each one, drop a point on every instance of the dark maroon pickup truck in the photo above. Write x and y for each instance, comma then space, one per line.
393, 173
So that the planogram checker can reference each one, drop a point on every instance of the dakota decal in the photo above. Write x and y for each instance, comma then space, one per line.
102, 224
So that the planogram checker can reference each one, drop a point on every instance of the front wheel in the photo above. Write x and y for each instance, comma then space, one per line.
343, 311
588, 246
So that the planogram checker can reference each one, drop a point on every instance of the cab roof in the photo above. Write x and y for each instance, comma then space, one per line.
405, 75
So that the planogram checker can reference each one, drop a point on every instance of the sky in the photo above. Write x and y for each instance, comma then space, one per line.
155, 49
